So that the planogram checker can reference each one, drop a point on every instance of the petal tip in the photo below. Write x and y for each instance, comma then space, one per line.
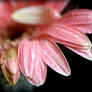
90, 55
68, 73
40, 84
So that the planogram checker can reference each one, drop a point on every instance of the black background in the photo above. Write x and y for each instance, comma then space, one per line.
81, 69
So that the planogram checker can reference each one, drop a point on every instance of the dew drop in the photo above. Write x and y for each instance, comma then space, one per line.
76, 36
44, 53
40, 70
26, 71
88, 16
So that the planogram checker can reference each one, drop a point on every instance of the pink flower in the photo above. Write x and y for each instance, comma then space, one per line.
36, 40
38, 52
36, 74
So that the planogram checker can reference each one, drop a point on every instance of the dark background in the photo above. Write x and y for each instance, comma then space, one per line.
81, 69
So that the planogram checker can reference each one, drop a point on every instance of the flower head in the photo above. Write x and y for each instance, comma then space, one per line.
40, 27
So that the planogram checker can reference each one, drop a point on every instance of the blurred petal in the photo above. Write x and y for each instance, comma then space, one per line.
33, 15
54, 58
7, 7
80, 19
40, 14
25, 3
5, 14
58, 5
31, 64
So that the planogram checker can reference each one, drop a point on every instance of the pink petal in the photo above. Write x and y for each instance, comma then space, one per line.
85, 28
21, 4
34, 15
84, 53
58, 5
40, 14
39, 75
54, 58
12, 66
78, 16
24, 54
80, 19
8, 7
31, 64
70, 37
66, 35
5, 14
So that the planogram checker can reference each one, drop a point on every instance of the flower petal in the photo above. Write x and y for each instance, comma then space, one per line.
7, 7
54, 58
5, 14
33, 15
84, 53
40, 14
85, 28
10, 60
24, 57
57, 5
80, 19
31, 64
73, 17
69, 37
21, 4
39, 76
66, 35
11, 78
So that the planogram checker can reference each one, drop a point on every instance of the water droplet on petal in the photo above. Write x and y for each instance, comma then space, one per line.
44, 53
26, 71
88, 16
76, 36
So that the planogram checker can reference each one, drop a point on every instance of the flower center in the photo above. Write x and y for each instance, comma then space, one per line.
15, 33
10, 37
